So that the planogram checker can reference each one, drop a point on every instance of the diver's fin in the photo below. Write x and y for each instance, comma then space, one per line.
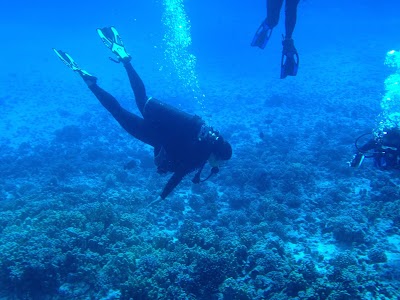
70, 63
112, 40
67, 60
262, 35
290, 59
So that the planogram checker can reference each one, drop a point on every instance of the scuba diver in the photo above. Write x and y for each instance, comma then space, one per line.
384, 148
290, 57
182, 142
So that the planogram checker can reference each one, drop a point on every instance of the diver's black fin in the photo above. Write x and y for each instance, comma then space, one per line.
290, 59
112, 40
262, 35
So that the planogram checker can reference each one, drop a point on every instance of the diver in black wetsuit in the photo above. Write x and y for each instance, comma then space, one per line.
290, 57
182, 142
384, 148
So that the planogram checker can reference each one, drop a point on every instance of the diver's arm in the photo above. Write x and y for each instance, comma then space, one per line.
371, 144
172, 183
358, 157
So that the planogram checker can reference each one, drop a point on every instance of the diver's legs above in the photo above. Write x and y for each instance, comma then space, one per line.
264, 31
273, 11
290, 59
290, 17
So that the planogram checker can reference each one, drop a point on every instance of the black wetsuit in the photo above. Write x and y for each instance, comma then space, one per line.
273, 12
174, 134
386, 156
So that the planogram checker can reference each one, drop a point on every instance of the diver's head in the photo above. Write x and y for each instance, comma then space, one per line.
390, 137
222, 150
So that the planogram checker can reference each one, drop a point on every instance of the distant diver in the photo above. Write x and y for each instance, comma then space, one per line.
290, 58
182, 142
384, 148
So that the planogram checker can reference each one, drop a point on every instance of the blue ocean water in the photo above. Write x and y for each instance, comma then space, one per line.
285, 218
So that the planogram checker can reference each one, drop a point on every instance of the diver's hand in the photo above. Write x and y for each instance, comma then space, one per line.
159, 199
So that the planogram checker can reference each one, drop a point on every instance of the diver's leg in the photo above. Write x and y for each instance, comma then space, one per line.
113, 41
264, 32
290, 57
273, 12
132, 123
137, 85
290, 17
